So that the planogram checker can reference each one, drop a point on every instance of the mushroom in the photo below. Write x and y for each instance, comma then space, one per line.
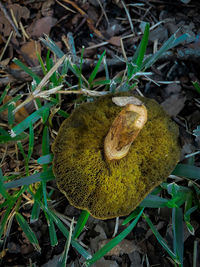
111, 153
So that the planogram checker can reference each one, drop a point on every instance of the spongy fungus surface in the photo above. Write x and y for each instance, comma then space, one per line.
115, 188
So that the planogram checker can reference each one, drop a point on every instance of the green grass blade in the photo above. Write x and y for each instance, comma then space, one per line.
65, 232
52, 233
178, 233
7, 138
52, 46
27, 70
132, 216
4, 219
179, 40
45, 159
187, 221
45, 115
103, 82
161, 240
94, 73
49, 43
27, 230
143, 46
81, 67
4, 93
197, 86
188, 171
152, 201
52, 230
11, 116
45, 151
3, 191
41, 63
45, 141
63, 113
22, 150
195, 254
53, 78
35, 116
6, 105
196, 132
36, 207
47, 61
100, 253
63, 259
166, 46
35, 213
31, 142
44, 190
4, 132
38, 177
81, 223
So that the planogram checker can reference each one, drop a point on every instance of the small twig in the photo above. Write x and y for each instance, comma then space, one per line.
4, 49
67, 8
23, 30
7, 16
103, 10
128, 16
96, 45
83, 92
13, 18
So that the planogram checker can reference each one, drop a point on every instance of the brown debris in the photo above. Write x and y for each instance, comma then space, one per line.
41, 26
125, 246
19, 13
30, 50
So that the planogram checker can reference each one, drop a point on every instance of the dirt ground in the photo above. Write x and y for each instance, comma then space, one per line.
100, 25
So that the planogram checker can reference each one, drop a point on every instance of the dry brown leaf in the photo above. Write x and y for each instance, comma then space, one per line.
174, 104
29, 50
13, 66
115, 40
46, 8
125, 246
41, 26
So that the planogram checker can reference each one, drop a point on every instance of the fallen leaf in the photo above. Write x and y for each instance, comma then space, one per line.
135, 259
105, 263
46, 8
160, 34
115, 40
94, 241
173, 88
29, 50
125, 246
174, 104
41, 26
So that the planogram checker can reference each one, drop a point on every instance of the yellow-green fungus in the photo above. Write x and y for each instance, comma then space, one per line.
109, 189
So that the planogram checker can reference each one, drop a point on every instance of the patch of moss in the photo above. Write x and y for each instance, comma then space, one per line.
115, 188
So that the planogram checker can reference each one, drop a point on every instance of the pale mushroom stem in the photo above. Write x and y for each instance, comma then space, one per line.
123, 131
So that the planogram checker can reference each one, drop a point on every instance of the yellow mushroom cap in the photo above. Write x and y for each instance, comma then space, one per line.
112, 188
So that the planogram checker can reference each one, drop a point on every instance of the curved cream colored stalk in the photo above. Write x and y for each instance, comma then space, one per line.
124, 129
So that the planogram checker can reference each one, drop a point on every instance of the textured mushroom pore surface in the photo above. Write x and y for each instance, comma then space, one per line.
109, 189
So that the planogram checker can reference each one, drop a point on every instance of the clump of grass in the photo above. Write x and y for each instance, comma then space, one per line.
29, 184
